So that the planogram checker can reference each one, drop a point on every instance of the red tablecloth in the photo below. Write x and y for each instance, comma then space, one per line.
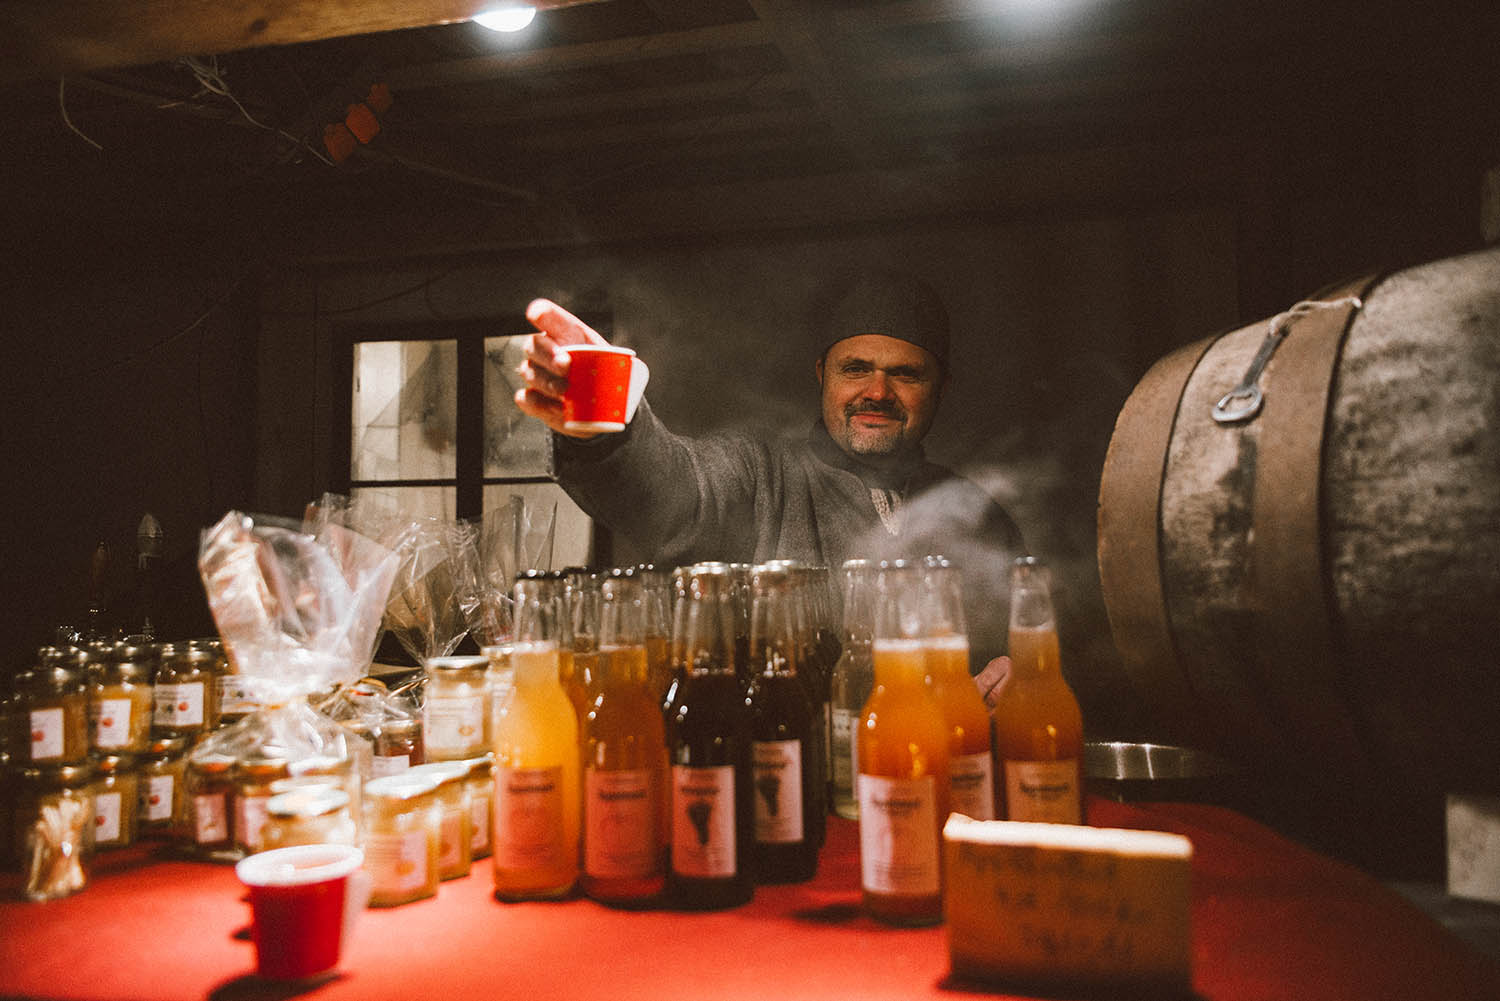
1270, 920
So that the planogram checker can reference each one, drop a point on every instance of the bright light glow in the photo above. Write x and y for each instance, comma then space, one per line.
512, 18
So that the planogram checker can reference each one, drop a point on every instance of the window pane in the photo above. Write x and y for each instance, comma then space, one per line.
534, 526
405, 410
514, 444
415, 502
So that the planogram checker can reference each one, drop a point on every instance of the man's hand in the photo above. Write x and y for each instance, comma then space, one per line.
989, 680
545, 370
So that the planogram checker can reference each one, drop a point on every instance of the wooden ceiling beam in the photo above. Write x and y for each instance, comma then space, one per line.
48, 38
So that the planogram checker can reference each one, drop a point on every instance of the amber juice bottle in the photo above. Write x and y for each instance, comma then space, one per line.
625, 760
903, 764
1038, 725
971, 779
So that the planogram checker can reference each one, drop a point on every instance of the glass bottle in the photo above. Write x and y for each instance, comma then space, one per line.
657, 600
709, 737
455, 708
971, 771
853, 679
187, 694
116, 800
253, 779
455, 819
120, 697
536, 785
815, 673
625, 759
54, 709
208, 793
790, 812
1037, 720
579, 671
903, 763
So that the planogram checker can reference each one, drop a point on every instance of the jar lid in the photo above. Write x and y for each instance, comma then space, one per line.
185, 653
320, 764
291, 782
399, 726
310, 801
167, 745
213, 763
109, 764
264, 767
443, 771
124, 660
404, 786
463, 663
54, 776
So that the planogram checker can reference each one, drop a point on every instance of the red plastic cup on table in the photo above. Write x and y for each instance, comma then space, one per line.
303, 901
605, 384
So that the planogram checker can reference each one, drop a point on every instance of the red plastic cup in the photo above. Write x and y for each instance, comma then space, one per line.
303, 901
605, 384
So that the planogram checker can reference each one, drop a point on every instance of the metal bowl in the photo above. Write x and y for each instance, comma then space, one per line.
1126, 770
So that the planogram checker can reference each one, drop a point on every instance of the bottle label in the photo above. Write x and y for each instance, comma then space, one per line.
777, 768
529, 819
479, 823
453, 725
46, 734
703, 819
180, 705
107, 818
250, 821
844, 749
156, 797
210, 819
1043, 791
620, 839
898, 835
398, 863
234, 698
111, 722
971, 785
389, 764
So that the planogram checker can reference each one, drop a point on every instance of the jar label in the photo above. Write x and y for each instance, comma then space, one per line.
898, 835
398, 864
110, 719
971, 785
453, 725
106, 818
250, 821
1043, 791
777, 768
703, 821
210, 819
529, 819
620, 839
46, 734
234, 697
156, 797
389, 764
180, 704
479, 821
452, 839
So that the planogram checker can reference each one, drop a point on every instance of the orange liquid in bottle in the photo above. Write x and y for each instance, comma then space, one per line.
903, 748
1038, 733
971, 764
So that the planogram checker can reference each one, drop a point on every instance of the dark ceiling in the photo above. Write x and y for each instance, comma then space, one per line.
623, 117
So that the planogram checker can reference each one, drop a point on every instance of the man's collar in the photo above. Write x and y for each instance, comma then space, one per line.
892, 472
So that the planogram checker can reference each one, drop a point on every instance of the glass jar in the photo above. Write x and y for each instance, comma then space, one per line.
325, 769
402, 821
54, 828
456, 833
310, 815
160, 812
456, 708
121, 701
398, 746
187, 694
253, 779
480, 782
208, 794
54, 708
235, 700
116, 800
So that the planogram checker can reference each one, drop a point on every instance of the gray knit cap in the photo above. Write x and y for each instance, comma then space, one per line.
890, 303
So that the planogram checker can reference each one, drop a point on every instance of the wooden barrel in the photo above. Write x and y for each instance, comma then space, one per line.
1316, 589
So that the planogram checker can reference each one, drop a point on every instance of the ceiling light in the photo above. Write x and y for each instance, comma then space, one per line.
513, 17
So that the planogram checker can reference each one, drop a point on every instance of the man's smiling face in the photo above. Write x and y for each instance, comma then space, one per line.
879, 394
